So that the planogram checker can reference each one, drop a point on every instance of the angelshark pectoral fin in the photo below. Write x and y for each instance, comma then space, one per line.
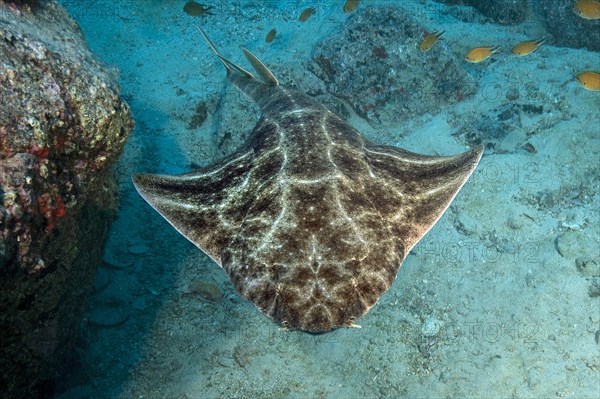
192, 202
429, 183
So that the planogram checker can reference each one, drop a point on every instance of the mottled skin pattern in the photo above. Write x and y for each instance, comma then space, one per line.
310, 220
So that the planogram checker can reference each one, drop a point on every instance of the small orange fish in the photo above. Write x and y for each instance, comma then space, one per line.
481, 53
587, 9
589, 80
306, 14
271, 35
350, 6
429, 40
528, 47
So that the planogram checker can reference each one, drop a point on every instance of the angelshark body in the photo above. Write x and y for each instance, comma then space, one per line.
310, 220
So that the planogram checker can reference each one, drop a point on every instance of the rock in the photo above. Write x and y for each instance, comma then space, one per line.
431, 326
515, 222
594, 288
225, 361
573, 244
205, 290
374, 65
466, 224
63, 125
588, 266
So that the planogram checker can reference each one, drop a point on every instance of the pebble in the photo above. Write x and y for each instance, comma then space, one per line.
431, 326
225, 361
512, 94
594, 288
466, 224
204, 289
572, 244
587, 266
110, 312
515, 222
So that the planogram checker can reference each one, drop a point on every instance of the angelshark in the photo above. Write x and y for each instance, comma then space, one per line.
310, 220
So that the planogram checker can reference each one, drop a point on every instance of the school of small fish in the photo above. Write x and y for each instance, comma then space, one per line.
586, 9
349, 7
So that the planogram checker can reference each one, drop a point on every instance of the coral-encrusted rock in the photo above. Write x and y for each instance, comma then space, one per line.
62, 126
375, 65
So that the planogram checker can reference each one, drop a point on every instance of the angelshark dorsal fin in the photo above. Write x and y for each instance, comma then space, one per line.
260, 68
229, 65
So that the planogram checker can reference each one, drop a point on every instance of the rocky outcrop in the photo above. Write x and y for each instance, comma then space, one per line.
375, 65
62, 127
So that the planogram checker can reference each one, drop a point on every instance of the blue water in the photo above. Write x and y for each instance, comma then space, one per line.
496, 300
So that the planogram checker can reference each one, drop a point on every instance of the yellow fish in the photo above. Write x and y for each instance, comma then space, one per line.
589, 80
527, 47
587, 9
481, 53
271, 35
429, 40
350, 6
306, 14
